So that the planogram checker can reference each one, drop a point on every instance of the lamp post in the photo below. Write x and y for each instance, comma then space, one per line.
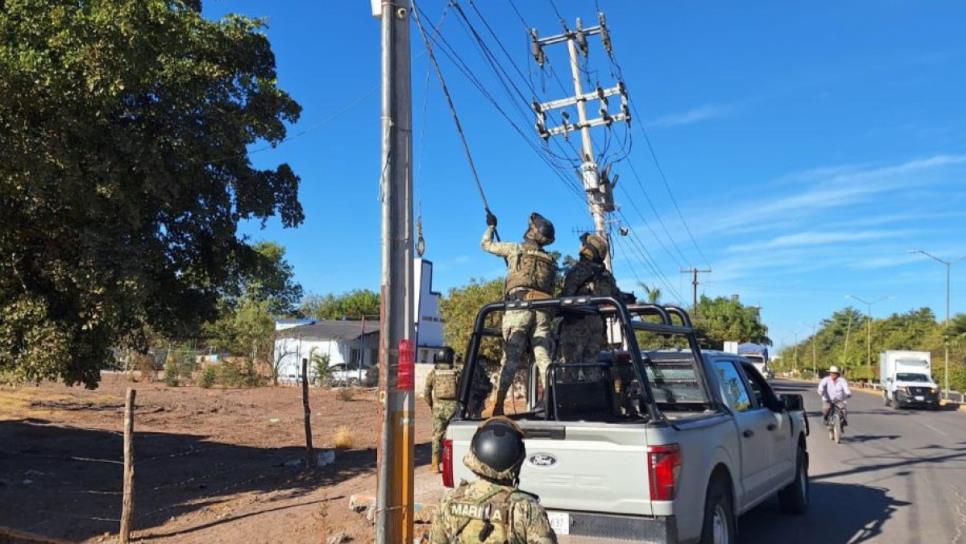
868, 304
948, 265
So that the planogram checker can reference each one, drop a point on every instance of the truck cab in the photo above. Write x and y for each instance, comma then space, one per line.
661, 444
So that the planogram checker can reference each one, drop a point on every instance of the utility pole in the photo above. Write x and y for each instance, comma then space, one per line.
394, 497
694, 286
597, 185
868, 339
948, 265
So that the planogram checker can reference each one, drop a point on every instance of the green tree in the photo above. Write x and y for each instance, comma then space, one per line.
652, 295
354, 304
459, 308
722, 319
271, 279
248, 330
124, 172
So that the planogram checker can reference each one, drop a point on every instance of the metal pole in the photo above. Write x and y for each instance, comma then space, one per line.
814, 358
394, 500
946, 333
588, 168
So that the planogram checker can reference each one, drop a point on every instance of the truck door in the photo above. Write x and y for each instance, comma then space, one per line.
753, 428
783, 448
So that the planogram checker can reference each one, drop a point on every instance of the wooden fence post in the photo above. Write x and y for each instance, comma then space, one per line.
309, 455
127, 504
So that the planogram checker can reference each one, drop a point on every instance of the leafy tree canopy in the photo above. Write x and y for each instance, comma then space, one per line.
124, 173
458, 310
354, 304
270, 279
721, 319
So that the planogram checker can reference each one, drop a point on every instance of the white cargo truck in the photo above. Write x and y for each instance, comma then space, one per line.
906, 379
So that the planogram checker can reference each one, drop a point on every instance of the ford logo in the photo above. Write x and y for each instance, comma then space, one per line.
542, 460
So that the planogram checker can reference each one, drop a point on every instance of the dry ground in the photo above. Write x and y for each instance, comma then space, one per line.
211, 465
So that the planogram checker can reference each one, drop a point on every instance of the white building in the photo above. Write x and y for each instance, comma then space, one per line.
356, 343
353, 343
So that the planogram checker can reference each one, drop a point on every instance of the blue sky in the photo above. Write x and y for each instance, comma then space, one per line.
809, 147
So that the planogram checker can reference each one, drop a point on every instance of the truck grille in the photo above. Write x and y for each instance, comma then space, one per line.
920, 391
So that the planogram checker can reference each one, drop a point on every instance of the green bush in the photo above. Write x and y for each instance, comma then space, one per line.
208, 377
171, 374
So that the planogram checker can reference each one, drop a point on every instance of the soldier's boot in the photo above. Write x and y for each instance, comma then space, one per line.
434, 465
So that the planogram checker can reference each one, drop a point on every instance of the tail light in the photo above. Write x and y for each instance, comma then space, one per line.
448, 462
663, 468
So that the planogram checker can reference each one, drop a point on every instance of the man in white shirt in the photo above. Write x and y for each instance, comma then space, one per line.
834, 389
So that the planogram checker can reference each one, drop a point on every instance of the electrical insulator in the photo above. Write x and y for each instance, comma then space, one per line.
536, 49
604, 33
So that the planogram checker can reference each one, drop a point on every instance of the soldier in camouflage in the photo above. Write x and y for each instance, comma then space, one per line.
531, 275
480, 388
492, 510
440, 394
582, 337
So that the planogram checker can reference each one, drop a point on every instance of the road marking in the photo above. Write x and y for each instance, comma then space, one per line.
935, 429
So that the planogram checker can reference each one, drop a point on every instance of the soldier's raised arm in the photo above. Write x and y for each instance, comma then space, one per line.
489, 245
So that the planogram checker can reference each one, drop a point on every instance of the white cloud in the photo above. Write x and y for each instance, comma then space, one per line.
815, 238
694, 115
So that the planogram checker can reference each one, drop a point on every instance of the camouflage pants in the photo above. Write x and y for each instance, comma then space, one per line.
581, 339
443, 411
523, 329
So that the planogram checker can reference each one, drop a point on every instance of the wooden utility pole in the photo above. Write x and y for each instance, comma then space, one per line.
309, 453
127, 500
397, 333
694, 286
599, 188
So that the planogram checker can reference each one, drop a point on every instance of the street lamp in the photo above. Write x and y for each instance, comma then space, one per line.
868, 304
948, 265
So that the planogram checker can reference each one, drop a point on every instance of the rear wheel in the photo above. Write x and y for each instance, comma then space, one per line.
719, 525
836, 428
885, 398
793, 499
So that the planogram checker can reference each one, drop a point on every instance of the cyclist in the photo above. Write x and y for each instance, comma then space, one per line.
834, 389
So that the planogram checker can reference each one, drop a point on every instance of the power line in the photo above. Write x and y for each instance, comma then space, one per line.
647, 224
650, 203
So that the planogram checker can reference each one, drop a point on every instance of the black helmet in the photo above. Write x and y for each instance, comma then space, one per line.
444, 356
541, 230
497, 450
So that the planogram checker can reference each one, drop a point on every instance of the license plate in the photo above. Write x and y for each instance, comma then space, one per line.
920, 397
559, 522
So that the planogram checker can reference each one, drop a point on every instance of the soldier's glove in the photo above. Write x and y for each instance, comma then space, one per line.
490, 219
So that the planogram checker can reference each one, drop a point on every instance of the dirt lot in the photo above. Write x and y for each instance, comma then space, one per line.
212, 465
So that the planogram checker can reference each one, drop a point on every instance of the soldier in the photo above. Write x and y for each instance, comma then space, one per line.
492, 509
531, 274
582, 337
440, 394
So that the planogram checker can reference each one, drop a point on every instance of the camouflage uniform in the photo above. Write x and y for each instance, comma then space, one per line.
440, 394
521, 328
582, 337
490, 510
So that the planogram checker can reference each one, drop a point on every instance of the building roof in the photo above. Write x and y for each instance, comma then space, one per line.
332, 330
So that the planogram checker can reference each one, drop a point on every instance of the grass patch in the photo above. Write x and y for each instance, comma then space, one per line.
343, 439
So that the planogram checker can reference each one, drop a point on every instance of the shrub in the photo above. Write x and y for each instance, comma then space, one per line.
343, 439
344, 394
171, 377
208, 376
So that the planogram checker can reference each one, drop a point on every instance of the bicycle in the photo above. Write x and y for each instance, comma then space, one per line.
834, 423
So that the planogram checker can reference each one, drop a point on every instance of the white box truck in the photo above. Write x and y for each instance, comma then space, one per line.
906, 379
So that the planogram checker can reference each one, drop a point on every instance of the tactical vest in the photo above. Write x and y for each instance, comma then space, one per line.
483, 520
444, 383
601, 284
535, 270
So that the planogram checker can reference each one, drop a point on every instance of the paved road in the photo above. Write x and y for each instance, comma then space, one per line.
897, 476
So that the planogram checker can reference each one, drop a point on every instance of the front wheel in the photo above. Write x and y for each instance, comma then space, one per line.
719, 525
837, 428
793, 499
885, 399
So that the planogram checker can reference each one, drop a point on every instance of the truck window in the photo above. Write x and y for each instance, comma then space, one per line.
732, 386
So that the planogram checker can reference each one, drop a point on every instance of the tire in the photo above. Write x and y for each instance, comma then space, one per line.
794, 498
719, 526
885, 399
837, 429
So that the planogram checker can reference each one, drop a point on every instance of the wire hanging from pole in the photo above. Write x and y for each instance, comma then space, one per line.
452, 109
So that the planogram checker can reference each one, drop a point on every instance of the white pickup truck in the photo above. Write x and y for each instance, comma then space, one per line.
668, 445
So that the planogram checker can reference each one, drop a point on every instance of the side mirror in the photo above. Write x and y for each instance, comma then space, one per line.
792, 403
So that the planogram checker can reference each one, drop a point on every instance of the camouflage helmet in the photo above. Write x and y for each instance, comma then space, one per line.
497, 450
540, 230
596, 244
